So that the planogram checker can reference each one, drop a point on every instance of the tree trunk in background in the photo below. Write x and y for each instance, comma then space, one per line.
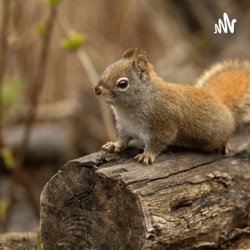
186, 200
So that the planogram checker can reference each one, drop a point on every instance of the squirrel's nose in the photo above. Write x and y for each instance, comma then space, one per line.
98, 90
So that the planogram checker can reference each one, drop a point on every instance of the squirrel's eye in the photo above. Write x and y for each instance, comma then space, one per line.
123, 84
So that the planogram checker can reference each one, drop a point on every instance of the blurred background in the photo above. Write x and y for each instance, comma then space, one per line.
51, 55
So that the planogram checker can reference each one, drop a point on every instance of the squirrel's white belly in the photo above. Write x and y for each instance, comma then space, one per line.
135, 130
128, 124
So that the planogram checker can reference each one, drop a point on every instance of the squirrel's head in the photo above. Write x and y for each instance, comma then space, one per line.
125, 78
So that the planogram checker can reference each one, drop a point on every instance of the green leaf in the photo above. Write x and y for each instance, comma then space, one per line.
41, 30
74, 42
39, 243
52, 2
2, 209
12, 96
24, 246
27, 241
7, 158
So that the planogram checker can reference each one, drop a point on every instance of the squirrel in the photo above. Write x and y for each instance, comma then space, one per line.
161, 114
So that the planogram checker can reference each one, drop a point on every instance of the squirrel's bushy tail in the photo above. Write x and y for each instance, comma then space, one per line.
229, 83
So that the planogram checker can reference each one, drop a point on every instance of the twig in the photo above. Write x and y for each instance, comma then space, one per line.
20, 175
3, 56
3, 60
90, 70
93, 76
37, 87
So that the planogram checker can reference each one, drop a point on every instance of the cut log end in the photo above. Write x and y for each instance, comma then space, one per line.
80, 207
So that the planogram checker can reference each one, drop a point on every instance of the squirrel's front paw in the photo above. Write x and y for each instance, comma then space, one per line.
112, 147
145, 158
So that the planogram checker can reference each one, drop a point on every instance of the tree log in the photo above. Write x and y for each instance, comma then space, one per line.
185, 200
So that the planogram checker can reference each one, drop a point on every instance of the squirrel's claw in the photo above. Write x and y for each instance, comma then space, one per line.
145, 158
112, 147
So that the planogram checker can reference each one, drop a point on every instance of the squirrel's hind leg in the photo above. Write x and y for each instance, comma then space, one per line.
225, 150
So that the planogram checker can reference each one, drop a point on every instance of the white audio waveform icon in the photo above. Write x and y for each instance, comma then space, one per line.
224, 25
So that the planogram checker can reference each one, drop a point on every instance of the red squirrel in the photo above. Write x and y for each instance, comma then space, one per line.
161, 114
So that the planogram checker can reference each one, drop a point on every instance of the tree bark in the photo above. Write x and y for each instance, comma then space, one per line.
185, 200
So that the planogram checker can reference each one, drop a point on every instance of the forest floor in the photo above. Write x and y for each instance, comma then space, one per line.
23, 224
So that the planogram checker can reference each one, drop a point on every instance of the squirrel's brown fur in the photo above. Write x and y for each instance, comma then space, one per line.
159, 114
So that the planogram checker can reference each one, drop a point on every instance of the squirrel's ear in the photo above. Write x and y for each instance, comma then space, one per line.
129, 53
141, 62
